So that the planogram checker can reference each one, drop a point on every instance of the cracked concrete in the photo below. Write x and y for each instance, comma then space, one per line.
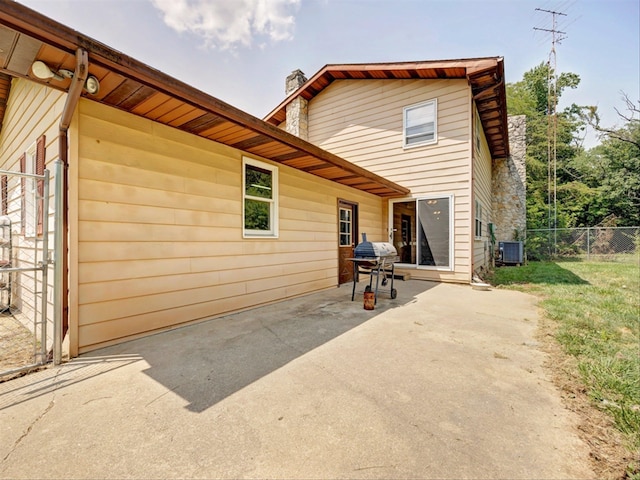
442, 382
28, 430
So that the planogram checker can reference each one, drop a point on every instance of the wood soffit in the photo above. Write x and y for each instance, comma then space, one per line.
129, 85
485, 76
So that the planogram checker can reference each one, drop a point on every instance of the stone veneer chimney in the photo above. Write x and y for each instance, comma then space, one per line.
297, 121
509, 183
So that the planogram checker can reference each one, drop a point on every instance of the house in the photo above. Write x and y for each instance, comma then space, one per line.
167, 205
438, 128
136, 203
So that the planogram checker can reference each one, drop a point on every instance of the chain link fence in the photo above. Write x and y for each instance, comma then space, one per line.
591, 244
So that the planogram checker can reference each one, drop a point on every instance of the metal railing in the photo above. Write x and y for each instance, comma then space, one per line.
587, 243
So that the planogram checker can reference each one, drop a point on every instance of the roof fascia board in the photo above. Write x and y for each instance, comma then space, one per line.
471, 65
33, 24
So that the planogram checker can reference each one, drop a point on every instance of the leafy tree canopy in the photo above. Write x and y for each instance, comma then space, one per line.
592, 187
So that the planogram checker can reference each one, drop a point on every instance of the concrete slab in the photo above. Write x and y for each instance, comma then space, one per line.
442, 382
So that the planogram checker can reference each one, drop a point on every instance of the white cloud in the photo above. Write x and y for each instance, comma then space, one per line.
227, 24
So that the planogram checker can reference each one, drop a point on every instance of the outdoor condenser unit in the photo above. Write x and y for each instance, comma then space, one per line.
510, 252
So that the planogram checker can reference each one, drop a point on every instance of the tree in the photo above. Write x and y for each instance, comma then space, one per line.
613, 167
532, 97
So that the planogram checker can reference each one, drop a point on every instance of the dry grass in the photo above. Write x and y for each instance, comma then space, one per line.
16, 344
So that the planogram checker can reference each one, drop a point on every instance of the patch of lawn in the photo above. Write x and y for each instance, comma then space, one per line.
597, 310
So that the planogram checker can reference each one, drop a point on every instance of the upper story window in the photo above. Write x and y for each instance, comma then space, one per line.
260, 197
421, 124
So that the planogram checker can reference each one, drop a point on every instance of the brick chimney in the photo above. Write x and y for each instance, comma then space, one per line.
297, 122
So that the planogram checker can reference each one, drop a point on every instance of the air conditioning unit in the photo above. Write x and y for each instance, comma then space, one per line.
511, 252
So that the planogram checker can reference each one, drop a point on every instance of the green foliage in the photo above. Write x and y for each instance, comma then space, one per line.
610, 173
595, 306
256, 215
258, 184
591, 186
621, 183
531, 97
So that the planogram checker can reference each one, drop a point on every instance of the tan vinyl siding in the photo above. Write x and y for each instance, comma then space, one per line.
482, 192
362, 121
33, 111
160, 230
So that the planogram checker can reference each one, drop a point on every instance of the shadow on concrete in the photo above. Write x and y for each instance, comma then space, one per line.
49, 379
207, 362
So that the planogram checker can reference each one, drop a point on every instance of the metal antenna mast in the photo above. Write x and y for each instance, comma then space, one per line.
552, 120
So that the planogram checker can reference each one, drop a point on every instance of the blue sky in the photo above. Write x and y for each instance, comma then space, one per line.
240, 51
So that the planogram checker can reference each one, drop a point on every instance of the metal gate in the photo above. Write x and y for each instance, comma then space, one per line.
26, 306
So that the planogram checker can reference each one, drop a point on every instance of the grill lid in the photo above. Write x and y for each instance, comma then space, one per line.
374, 249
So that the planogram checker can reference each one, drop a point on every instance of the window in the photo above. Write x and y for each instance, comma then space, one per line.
29, 204
32, 162
478, 219
260, 195
424, 232
345, 227
5, 194
478, 130
420, 124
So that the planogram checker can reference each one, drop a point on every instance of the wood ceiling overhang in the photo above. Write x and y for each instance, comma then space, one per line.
129, 85
485, 76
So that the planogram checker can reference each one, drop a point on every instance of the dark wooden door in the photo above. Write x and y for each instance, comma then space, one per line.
347, 239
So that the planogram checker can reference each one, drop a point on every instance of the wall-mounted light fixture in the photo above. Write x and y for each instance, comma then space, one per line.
42, 71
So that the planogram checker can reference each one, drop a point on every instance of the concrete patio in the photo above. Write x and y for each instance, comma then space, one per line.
442, 382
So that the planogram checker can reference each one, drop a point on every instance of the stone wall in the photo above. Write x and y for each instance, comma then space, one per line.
509, 184
298, 109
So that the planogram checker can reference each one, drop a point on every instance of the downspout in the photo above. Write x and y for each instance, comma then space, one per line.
61, 284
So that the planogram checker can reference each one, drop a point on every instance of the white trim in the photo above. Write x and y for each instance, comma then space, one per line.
273, 201
349, 222
31, 193
477, 215
405, 110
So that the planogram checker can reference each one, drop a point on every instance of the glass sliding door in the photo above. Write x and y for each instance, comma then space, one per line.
434, 232
423, 232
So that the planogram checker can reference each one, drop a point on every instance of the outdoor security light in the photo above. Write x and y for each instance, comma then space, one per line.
42, 71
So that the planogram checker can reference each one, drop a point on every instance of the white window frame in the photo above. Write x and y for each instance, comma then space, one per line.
434, 103
273, 201
349, 222
416, 232
31, 193
478, 220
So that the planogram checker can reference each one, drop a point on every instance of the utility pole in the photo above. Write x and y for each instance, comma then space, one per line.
552, 121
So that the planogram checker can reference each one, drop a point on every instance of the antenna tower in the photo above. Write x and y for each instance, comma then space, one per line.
552, 121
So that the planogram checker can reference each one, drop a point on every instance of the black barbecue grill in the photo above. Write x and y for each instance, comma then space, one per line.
374, 259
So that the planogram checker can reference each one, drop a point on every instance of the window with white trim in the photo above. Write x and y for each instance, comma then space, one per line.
260, 198
478, 219
29, 193
420, 124
346, 227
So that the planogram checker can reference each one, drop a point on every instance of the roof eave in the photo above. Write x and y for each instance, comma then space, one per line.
33, 24
473, 67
